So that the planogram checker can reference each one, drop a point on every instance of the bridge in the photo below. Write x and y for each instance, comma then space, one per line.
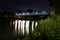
26, 22
22, 24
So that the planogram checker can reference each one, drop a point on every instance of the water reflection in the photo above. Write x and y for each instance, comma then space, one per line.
16, 26
19, 27
27, 27
22, 26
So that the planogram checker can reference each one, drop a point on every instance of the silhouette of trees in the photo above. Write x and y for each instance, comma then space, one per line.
6, 13
55, 5
5, 28
51, 3
19, 11
29, 10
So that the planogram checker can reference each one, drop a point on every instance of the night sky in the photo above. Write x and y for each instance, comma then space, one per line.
14, 5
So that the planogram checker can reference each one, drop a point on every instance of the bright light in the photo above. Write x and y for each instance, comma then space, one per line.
27, 27
36, 24
32, 26
15, 27
22, 26
19, 26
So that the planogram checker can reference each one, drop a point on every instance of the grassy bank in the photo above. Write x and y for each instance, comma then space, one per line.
48, 29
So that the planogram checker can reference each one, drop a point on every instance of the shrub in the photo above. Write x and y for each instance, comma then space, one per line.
48, 29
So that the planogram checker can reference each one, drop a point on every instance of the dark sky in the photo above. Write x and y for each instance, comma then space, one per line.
14, 5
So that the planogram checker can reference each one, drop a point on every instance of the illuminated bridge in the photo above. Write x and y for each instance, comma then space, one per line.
25, 22
22, 24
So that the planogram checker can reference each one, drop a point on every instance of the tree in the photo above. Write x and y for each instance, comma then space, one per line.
51, 3
55, 5
19, 11
29, 10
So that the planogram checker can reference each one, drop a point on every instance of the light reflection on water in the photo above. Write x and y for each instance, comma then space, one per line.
27, 27
22, 27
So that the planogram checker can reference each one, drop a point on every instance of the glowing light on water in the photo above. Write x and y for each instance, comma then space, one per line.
36, 24
19, 26
22, 26
27, 27
16, 27
32, 25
